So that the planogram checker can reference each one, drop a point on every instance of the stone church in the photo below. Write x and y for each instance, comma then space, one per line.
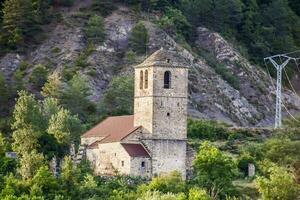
153, 141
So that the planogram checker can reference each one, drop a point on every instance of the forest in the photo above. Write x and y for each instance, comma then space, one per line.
43, 113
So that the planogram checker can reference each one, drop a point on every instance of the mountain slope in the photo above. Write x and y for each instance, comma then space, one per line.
249, 103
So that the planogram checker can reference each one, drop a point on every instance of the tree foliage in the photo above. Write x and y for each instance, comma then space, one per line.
280, 185
138, 39
94, 29
118, 98
214, 170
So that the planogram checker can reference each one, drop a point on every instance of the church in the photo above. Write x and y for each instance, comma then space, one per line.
153, 141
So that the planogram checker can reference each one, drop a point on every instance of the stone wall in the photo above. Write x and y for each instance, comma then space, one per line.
138, 170
190, 156
113, 158
167, 156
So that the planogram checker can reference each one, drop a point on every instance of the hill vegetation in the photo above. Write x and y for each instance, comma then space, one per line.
44, 112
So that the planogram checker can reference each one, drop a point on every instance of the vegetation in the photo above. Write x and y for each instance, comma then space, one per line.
42, 127
118, 98
94, 29
138, 39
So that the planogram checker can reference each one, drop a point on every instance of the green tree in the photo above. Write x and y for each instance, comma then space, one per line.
19, 22
65, 127
138, 39
38, 76
69, 178
4, 95
280, 185
279, 21
27, 123
43, 183
118, 98
53, 87
174, 22
30, 163
94, 29
213, 169
75, 98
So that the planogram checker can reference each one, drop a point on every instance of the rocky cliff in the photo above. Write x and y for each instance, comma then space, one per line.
249, 103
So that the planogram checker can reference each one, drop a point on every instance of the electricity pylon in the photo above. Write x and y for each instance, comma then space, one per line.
279, 67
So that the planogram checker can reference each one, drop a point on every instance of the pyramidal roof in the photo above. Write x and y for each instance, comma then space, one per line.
166, 58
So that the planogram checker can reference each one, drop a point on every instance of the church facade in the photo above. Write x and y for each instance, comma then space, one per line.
153, 140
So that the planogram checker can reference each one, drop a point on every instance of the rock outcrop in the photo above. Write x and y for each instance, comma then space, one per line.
211, 97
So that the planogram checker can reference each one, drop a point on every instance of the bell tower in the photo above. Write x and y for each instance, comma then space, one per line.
160, 106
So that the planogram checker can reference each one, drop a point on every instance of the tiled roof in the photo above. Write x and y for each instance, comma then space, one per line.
135, 150
167, 58
114, 129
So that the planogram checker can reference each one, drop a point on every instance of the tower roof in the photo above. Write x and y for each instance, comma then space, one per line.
166, 58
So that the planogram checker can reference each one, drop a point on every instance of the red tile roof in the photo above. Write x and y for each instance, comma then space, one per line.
135, 150
114, 129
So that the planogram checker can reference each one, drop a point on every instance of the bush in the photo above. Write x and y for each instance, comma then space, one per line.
174, 22
204, 129
67, 3
138, 39
39, 76
118, 98
220, 68
280, 185
243, 161
94, 30
130, 57
81, 61
172, 182
214, 170
198, 194
105, 7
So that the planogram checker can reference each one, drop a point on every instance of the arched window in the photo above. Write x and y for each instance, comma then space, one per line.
167, 80
141, 79
146, 79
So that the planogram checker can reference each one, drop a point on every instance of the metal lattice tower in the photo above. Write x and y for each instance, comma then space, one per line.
279, 66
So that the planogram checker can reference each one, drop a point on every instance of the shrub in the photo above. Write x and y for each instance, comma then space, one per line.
214, 170
220, 69
94, 29
130, 57
204, 129
198, 194
172, 182
39, 76
174, 22
138, 39
118, 98
243, 162
280, 185
105, 7
67, 3
81, 60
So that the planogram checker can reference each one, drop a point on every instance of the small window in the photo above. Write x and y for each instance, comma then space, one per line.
146, 79
141, 79
122, 163
168, 114
168, 60
115, 154
167, 80
143, 164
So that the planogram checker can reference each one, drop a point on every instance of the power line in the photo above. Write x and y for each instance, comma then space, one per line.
273, 85
279, 67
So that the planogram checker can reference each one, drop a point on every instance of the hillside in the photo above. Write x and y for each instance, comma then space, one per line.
67, 90
248, 100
